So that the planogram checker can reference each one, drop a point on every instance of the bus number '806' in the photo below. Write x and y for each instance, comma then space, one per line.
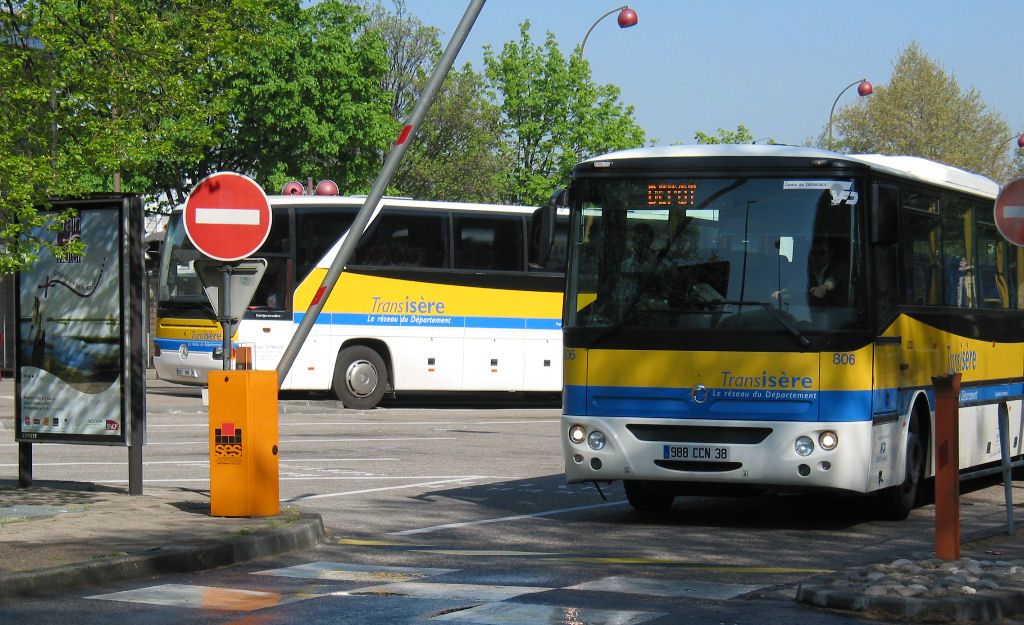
843, 359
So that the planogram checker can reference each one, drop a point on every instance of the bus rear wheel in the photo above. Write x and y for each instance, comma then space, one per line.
645, 499
360, 377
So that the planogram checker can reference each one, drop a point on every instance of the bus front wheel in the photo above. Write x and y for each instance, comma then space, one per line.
896, 502
360, 377
645, 499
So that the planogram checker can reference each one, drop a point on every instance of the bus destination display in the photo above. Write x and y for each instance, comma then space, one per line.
671, 193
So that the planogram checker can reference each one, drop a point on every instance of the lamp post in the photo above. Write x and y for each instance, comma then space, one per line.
627, 17
863, 88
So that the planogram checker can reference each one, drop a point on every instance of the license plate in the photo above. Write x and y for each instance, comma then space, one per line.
191, 373
708, 453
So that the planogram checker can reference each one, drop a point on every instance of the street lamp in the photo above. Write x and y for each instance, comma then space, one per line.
627, 17
863, 88
1020, 141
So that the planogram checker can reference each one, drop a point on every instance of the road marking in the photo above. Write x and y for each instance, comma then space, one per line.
485, 552
304, 478
299, 441
460, 592
688, 564
204, 597
667, 587
437, 528
516, 613
468, 478
354, 572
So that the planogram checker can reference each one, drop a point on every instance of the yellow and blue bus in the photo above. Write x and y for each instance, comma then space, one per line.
439, 296
766, 318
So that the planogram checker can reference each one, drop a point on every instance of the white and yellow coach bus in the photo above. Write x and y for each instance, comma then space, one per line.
744, 318
439, 296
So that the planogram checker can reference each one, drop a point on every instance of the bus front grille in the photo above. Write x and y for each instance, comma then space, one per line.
697, 465
698, 434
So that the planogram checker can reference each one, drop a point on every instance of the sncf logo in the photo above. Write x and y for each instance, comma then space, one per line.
112, 426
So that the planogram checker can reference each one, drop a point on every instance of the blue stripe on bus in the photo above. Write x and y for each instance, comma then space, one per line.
172, 345
721, 404
432, 321
753, 405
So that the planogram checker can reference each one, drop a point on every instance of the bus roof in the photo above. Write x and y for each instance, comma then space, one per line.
904, 166
398, 202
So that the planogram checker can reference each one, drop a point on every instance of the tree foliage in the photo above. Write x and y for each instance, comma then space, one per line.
159, 94
924, 112
456, 153
740, 135
552, 114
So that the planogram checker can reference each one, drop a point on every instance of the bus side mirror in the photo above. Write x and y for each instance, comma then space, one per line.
542, 229
885, 214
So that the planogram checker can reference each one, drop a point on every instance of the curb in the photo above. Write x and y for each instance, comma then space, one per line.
306, 532
990, 606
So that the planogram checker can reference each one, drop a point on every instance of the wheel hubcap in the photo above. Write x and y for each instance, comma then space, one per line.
361, 378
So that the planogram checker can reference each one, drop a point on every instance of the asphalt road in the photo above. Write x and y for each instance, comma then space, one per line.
475, 489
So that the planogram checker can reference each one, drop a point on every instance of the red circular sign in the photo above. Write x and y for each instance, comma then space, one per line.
1010, 212
227, 216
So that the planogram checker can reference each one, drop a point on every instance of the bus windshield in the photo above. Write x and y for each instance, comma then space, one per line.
179, 281
744, 253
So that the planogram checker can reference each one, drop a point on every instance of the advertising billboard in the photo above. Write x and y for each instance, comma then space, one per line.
80, 337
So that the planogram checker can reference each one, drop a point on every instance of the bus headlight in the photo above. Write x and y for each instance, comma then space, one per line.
577, 434
803, 446
596, 440
828, 440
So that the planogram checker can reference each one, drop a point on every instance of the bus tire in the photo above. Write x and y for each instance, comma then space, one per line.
644, 499
896, 502
360, 377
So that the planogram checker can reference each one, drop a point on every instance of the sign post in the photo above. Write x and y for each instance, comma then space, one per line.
228, 217
1009, 212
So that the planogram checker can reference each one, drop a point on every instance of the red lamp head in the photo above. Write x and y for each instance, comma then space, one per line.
1020, 141
627, 17
293, 188
326, 187
865, 88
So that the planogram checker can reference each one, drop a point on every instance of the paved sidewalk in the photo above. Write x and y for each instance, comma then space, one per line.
60, 535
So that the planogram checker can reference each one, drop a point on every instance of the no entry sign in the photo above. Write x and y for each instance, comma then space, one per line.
1010, 212
227, 216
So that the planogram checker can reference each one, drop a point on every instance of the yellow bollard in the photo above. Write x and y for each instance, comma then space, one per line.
244, 477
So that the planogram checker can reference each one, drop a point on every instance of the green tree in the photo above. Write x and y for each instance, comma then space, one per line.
924, 112
100, 91
309, 102
741, 135
552, 114
456, 153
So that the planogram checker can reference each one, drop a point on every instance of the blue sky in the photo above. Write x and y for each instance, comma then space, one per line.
773, 66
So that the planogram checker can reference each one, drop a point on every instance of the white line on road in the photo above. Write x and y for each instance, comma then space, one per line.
283, 463
376, 490
294, 441
437, 528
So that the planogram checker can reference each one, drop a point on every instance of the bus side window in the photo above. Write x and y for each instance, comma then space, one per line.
489, 242
921, 270
993, 285
404, 239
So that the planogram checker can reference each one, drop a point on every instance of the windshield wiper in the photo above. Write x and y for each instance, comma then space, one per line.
773, 312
